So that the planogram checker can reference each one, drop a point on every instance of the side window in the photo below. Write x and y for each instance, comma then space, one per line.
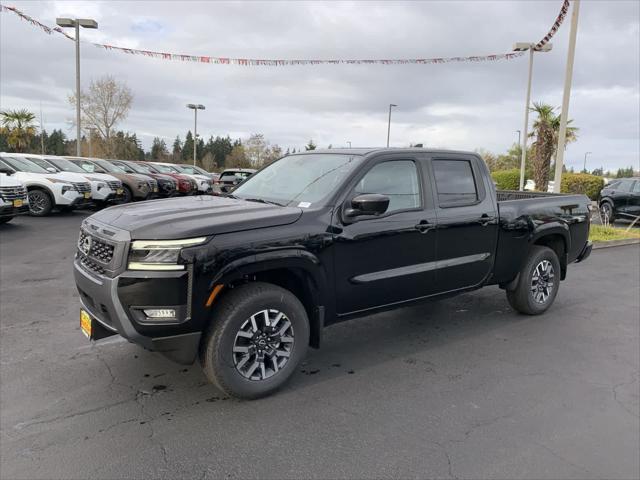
455, 183
636, 187
226, 174
625, 185
613, 185
87, 167
397, 179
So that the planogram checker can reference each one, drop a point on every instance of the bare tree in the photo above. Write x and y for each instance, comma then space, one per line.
106, 103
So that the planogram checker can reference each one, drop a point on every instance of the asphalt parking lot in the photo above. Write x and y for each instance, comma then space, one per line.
462, 388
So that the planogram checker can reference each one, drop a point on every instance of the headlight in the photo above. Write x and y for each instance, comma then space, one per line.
102, 185
159, 254
67, 188
143, 185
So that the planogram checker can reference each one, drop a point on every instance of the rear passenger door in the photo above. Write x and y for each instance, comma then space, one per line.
467, 221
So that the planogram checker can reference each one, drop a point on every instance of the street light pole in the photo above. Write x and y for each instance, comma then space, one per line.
389, 124
521, 47
195, 108
584, 169
562, 134
77, 23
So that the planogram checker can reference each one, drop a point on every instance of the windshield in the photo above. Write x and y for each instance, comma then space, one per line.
24, 165
109, 167
301, 180
166, 169
136, 167
65, 165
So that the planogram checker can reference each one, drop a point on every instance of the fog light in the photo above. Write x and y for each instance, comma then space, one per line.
160, 313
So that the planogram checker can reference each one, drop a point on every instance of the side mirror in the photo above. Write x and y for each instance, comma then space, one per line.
6, 171
367, 204
51, 170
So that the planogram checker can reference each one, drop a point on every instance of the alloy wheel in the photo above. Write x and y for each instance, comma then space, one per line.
542, 281
263, 345
37, 201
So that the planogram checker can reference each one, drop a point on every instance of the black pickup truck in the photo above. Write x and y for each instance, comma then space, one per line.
246, 282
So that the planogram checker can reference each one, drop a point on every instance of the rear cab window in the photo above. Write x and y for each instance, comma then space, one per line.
455, 181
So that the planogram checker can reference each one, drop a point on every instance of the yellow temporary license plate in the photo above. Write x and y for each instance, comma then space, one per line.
87, 195
17, 203
85, 323
119, 191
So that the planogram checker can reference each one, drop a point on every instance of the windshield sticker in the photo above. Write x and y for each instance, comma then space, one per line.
304, 204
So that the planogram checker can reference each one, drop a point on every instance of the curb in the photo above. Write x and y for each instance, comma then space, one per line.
616, 243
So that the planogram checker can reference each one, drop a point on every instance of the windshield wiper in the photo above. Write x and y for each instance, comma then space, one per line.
262, 200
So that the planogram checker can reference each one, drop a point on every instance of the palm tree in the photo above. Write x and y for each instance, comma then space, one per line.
18, 126
546, 129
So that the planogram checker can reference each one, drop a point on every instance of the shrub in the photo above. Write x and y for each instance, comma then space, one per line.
507, 179
590, 185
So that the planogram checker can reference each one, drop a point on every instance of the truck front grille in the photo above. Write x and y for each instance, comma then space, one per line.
82, 187
13, 193
94, 248
91, 265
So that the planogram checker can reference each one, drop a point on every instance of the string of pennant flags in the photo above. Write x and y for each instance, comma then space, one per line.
290, 62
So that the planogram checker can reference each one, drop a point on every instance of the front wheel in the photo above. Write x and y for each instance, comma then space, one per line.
40, 203
258, 335
538, 282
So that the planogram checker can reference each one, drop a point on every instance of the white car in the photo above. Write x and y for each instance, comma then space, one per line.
13, 196
205, 183
47, 190
105, 188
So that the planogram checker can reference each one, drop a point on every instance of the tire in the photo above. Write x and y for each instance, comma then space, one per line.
40, 203
128, 194
538, 282
66, 208
229, 357
5, 220
606, 210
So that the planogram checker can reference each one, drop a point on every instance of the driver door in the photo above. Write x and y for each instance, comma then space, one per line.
389, 258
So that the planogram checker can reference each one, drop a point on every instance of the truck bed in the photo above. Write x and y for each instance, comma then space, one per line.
506, 195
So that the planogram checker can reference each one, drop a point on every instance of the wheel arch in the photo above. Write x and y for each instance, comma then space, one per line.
557, 239
295, 270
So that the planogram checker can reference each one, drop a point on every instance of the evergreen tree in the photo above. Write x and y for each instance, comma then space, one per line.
310, 146
176, 153
187, 148
159, 149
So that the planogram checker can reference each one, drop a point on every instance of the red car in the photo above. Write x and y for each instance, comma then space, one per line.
185, 184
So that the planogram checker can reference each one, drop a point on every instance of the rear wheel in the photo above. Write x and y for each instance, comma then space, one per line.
538, 282
40, 203
259, 333
606, 210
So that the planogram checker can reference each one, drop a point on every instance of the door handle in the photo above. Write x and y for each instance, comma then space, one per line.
424, 226
485, 219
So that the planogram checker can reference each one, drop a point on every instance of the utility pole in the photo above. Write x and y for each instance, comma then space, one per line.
389, 124
41, 131
195, 108
77, 23
564, 115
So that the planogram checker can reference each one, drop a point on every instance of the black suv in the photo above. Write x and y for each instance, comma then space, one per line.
620, 199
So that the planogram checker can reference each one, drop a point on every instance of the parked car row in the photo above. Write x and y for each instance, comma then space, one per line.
620, 199
39, 184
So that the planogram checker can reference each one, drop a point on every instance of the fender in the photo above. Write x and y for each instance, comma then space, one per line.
553, 228
39, 186
292, 258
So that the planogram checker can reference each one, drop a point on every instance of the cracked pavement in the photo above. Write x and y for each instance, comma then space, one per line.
461, 388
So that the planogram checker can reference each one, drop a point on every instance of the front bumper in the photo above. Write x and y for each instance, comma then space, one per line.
117, 303
586, 251
8, 210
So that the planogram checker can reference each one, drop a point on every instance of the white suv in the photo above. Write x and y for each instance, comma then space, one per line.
13, 196
47, 190
105, 188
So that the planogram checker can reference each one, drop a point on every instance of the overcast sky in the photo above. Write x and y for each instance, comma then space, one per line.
461, 106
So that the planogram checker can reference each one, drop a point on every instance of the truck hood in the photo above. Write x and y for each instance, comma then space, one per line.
99, 177
187, 217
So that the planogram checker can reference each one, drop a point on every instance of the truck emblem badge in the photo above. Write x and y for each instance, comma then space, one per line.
85, 245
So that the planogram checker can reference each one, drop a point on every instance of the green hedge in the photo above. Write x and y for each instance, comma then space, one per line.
507, 179
590, 185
